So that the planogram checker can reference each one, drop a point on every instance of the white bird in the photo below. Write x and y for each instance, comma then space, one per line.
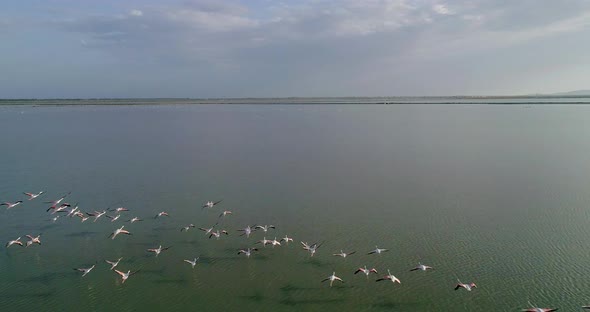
73, 211
158, 250
134, 219
82, 216
119, 231
192, 262
210, 204
162, 214
61, 208
56, 202
32, 195
389, 277
311, 248
264, 228
247, 230
34, 240
366, 271
421, 267
535, 309
264, 242
209, 230
286, 239
344, 254
275, 242
120, 209
11, 205
86, 271
332, 278
218, 233
97, 214
225, 213
247, 252
12, 242
125, 276
55, 218
468, 287
113, 263
377, 250
115, 218
188, 227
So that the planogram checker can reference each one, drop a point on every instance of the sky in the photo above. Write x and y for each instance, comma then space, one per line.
307, 48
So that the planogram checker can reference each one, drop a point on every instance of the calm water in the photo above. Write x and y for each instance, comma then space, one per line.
493, 194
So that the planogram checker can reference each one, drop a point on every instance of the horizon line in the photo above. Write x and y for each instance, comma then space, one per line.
554, 95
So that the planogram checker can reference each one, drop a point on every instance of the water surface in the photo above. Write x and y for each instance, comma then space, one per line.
494, 194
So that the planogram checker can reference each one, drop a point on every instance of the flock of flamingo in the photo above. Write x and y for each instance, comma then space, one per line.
58, 207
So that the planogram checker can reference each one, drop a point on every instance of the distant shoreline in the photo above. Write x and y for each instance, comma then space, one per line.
490, 100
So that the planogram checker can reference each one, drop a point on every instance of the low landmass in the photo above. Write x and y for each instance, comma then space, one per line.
572, 97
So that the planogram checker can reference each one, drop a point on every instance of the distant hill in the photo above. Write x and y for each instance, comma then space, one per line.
573, 93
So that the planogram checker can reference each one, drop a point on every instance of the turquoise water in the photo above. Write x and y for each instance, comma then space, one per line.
491, 194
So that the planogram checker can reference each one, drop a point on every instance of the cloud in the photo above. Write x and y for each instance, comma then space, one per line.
300, 44
441, 9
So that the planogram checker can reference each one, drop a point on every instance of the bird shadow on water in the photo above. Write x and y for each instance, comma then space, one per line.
81, 234
290, 292
316, 263
159, 272
388, 304
292, 288
257, 297
48, 226
149, 244
47, 278
164, 229
176, 281
294, 302
28, 295
192, 243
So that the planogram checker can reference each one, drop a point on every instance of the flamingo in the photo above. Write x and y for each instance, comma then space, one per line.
119, 231
125, 276
218, 233
188, 227
12, 242
377, 250
113, 263
366, 271
247, 230
286, 239
421, 267
535, 309
134, 219
158, 250
389, 277
468, 287
162, 214
115, 218
225, 213
264, 228
34, 240
192, 262
210, 204
264, 242
11, 205
57, 201
332, 278
32, 195
86, 270
247, 252
344, 254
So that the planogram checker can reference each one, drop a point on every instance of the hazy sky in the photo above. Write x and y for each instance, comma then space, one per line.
264, 48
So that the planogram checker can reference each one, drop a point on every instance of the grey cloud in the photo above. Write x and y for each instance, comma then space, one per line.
336, 47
